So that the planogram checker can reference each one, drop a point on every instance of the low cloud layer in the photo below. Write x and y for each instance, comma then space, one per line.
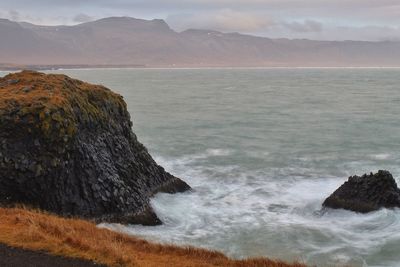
306, 26
80, 18
315, 19
226, 20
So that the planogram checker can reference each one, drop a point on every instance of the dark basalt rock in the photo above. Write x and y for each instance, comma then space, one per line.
67, 147
366, 193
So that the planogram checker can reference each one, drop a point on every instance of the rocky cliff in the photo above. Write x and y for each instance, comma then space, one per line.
67, 147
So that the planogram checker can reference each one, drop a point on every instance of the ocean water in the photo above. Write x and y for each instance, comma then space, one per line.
262, 149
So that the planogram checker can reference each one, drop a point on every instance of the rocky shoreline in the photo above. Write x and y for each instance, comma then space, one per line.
68, 148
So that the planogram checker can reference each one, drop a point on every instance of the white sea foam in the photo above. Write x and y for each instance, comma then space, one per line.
219, 152
222, 214
382, 156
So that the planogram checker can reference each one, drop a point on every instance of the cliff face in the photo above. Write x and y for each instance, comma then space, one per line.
67, 147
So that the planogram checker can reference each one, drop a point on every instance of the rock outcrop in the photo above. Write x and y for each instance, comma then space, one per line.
67, 147
366, 193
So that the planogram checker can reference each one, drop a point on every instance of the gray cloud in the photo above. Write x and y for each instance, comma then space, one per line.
14, 15
306, 26
366, 33
339, 33
225, 20
81, 17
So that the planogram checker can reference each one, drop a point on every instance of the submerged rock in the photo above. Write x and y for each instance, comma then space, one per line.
67, 147
366, 193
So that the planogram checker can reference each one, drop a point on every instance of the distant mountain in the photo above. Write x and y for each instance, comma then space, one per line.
129, 41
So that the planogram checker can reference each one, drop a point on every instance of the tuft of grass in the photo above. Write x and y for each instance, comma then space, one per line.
36, 230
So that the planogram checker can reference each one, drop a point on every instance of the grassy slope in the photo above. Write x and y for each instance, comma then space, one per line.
48, 102
36, 230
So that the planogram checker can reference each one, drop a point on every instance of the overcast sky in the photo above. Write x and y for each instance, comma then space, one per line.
313, 19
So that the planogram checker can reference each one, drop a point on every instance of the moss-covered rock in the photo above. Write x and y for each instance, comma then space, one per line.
67, 147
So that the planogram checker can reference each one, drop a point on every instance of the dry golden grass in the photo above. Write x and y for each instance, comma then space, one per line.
36, 230
28, 88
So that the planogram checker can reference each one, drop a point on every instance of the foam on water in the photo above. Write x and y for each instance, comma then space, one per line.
218, 152
382, 156
255, 214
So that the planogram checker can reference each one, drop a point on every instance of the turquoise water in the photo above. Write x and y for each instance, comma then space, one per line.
262, 149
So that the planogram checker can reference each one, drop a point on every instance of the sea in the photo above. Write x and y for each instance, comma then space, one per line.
262, 149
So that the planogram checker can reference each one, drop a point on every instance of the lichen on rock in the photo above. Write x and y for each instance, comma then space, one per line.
67, 147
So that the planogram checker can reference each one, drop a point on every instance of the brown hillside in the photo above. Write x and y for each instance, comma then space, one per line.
36, 230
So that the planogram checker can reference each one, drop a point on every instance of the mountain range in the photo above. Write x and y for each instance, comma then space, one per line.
125, 41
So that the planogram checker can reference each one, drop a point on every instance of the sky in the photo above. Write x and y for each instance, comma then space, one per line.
369, 20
